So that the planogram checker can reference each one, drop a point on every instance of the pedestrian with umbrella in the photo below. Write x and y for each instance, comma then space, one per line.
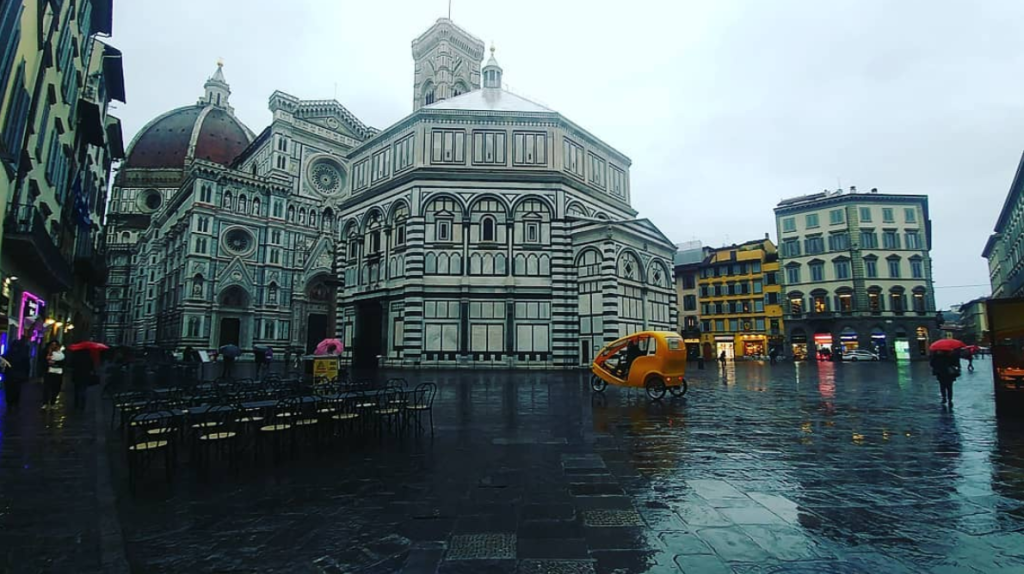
945, 363
230, 353
84, 362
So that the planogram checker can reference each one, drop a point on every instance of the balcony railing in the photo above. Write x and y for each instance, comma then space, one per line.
30, 244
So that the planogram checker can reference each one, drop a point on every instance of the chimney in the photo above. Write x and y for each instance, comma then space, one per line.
766, 235
853, 189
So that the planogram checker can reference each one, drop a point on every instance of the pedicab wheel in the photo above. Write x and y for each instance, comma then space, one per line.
655, 387
598, 384
680, 390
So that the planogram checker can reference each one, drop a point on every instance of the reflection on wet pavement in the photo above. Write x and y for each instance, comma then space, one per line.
826, 467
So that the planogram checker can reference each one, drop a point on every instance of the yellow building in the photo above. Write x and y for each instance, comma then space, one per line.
740, 300
57, 144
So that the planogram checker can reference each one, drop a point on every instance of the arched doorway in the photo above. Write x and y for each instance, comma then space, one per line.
848, 338
319, 310
880, 342
233, 310
901, 345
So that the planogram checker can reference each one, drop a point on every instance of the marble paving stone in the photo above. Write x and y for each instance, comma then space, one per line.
607, 517
556, 567
493, 546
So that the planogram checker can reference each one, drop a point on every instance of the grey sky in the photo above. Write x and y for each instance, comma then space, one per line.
724, 107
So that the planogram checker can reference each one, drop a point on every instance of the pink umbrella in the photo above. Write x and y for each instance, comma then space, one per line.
330, 347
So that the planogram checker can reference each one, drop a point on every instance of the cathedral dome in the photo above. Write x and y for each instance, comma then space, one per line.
207, 130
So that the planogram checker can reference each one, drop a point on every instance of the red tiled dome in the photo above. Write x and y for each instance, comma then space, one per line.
165, 141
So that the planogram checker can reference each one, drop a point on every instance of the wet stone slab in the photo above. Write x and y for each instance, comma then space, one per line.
494, 546
611, 517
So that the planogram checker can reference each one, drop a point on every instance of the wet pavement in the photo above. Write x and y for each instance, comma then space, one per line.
843, 468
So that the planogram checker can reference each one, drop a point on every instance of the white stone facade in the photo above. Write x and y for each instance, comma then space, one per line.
482, 230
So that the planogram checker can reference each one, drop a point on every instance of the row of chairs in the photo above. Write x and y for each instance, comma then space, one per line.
234, 427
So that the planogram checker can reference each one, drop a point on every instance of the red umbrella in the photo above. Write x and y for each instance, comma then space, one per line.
947, 345
93, 347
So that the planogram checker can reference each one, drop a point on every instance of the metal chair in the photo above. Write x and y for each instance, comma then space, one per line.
421, 400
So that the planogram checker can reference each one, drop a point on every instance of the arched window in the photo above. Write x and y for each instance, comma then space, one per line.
372, 232
125, 237
428, 94
225, 200
256, 206
243, 204
401, 214
487, 229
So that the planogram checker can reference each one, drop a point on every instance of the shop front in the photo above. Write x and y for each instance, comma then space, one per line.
753, 346
879, 341
902, 346
725, 344
823, 345
922, 341
798, 340
692, 349
848, 339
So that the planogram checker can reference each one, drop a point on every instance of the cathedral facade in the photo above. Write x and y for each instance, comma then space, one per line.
482, 230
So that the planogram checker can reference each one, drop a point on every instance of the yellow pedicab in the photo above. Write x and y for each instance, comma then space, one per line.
653, 360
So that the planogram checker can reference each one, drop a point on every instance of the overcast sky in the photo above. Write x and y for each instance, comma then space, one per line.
724, 107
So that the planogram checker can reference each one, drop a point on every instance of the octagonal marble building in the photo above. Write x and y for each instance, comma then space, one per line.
482, 230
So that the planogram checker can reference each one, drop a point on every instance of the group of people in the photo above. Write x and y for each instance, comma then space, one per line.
53, 361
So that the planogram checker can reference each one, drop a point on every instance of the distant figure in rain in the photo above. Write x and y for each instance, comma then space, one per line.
970, 359
773, 356
946, 368
19, 366
721, 358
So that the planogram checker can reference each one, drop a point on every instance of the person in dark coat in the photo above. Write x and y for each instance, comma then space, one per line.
19, 357
83, 373
970, 359
946, 368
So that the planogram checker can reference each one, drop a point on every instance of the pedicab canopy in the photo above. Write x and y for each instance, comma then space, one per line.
633, 359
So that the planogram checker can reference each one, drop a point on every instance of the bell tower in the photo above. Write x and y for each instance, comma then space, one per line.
447, 63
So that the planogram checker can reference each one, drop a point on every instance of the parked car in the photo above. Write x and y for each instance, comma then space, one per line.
859, 355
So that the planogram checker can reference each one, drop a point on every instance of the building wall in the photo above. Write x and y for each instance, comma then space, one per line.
854, 265
1005, 248
55, 97
739, 300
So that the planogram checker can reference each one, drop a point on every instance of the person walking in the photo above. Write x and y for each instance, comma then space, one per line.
773, 356
229, 366
721, 359
54, 376
83, 374
946, 368
970, 360
19, 357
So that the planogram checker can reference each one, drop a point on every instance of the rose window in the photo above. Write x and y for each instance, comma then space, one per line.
238, 240
326, 176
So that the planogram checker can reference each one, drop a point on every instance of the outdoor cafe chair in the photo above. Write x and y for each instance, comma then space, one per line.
142, 446
387, 411
421, 400
220, 441
278, 428
348, 415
